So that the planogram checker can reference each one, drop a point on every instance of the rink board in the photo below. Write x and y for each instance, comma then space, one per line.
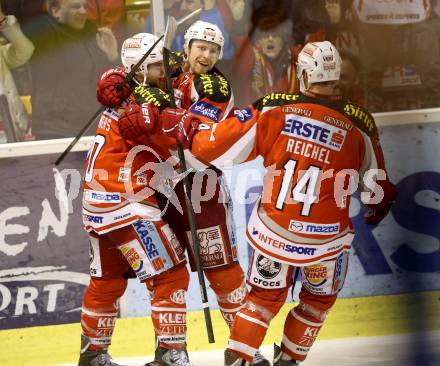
357, 317
44, 250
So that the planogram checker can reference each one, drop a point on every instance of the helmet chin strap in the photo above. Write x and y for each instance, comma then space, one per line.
144, 83
302, 83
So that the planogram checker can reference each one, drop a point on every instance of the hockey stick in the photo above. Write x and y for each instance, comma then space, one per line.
128, 78
169, 36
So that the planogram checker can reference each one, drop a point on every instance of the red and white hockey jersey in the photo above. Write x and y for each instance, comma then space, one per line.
207, 96
118, 172
308, 146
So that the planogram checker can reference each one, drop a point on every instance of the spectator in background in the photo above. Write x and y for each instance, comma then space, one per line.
209, 14
170, 7
274, 63
236, 16
311, 22
15, 50
399, 34
349, 80
303, 21
108, 13
341, 27
261, 17
24, 10
70, 53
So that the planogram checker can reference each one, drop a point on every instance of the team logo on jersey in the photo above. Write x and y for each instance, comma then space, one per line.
314, 131
264, 239
93, 218
297, 110
173, 240
154, 96
124, 175
91, 253
360, 115
178, 297
316, 274
146, 232
170, 318
141, 179
132, 256
267, 268
212, 246
213, 86
101, 197
206, 110
243, 115
296, 226
276, 99
313, 228
237, 296
338, 123
340, 271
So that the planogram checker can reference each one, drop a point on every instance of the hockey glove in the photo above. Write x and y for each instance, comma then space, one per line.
179, 124
138, 120
378, 211
112, 90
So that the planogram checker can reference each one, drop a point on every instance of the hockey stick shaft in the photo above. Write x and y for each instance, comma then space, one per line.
190, 211
128, 79
78, 136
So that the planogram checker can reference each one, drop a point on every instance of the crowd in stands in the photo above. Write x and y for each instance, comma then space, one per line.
53, 51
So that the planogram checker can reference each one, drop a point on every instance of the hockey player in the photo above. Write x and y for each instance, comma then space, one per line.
128, 236
315, 145
205, 92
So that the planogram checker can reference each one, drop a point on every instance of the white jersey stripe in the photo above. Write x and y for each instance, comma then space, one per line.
159, 308
253, 320
92, 313
234, 310
240, 151
242, 347
103, 222
295, 348
305, 321
283, 250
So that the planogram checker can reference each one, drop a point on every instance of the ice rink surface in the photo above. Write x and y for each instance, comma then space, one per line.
418, 349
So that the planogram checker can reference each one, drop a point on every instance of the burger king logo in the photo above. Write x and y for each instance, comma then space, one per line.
316, 274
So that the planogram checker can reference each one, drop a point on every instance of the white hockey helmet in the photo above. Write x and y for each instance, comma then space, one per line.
135, 47
320, 61
205, 31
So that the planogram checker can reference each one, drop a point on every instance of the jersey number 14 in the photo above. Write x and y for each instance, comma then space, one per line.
304, 189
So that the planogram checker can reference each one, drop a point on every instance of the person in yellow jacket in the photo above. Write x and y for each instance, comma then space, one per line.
15, 50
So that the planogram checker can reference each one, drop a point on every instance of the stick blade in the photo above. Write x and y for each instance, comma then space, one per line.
170, 32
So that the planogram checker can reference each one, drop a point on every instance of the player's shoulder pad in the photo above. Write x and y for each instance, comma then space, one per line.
151, 95
213, 86
361, 118
275, 100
